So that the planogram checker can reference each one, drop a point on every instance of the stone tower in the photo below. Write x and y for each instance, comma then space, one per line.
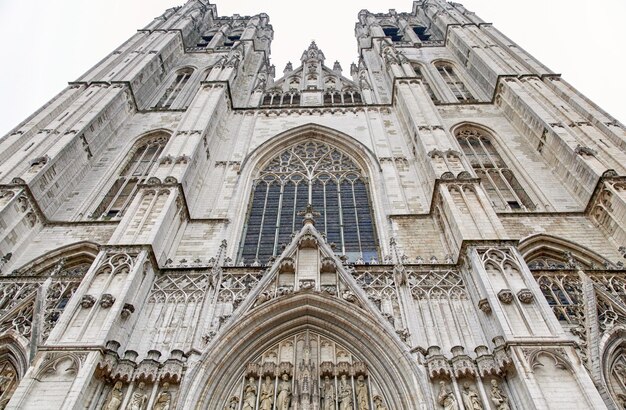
443, 227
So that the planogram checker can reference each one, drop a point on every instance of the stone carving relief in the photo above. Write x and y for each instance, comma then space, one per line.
139, 398
149, 383
486, 364
175, 301
306, 371
434, 284
107, 300
236, 284
8, 382
498, 398
506, 296
87, 301
471, 399
446, 398
60, 363
115, 397
164, 399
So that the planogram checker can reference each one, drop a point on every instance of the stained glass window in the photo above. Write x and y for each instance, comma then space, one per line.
316, 173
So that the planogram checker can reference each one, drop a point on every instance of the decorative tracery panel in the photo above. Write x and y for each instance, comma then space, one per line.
310, 173
616, 376
173, 310
306, 371
564, 294
380, 287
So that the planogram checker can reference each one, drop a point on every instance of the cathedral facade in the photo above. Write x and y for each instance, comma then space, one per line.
441, 227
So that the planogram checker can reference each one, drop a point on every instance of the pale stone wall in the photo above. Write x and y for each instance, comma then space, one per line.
464, 299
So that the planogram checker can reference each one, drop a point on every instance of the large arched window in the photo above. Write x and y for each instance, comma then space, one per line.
143, 158
453, 82
503, 189
317, 173
173, 91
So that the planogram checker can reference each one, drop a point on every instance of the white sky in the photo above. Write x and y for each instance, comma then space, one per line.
46, 44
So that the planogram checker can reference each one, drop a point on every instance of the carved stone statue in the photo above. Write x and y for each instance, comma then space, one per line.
446, 398
233, 404
138, 399
362, 400
328, 394
345, 394
498, 398
378, 403
284, 393
267, 394
115, 397
471, 400
249, 395
164, 399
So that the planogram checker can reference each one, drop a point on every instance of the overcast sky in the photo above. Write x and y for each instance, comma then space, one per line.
46, 44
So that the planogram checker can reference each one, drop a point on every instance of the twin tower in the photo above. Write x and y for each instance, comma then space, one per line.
442, 226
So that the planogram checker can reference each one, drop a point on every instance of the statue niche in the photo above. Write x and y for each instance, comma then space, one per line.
306, 371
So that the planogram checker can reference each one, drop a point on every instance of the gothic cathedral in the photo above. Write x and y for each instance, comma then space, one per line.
441, 227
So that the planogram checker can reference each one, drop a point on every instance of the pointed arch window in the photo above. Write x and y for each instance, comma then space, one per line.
142, 160
348, 96
317, 173
173, 91
453, 82
420, 76
501, 185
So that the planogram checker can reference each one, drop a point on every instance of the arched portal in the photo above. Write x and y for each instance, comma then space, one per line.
393, 374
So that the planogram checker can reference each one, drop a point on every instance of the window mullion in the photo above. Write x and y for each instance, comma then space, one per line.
117, 194
478, 158
131, 195
506, 182
258, 244
488, 154
277, 231
343, 243
325, 211
497, 188
356, 217
153, 160
168, 102
295, 209
136, 160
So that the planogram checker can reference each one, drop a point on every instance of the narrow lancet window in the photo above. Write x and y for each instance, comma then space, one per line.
501, 185
173, 91
453, 82
143, 159
420, 76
